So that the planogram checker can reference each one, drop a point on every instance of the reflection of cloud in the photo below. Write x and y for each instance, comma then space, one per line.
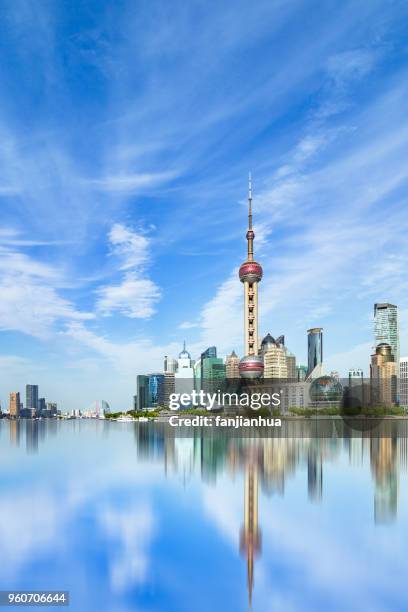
224, 506
29, 523
132, 528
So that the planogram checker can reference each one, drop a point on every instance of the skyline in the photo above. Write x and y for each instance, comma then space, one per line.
128, 133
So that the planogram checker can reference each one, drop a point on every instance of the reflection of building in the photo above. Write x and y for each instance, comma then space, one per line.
314, 348
232, 366
250, 273
384, 467
403, 373
383, 376
386, 330
14, 407
15, 426
314, 474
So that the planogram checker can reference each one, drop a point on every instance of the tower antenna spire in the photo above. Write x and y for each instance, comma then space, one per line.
250, 201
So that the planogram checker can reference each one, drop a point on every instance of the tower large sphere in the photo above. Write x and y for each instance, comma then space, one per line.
251, 366
250, 271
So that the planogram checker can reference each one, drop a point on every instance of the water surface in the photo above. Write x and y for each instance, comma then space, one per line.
132, 517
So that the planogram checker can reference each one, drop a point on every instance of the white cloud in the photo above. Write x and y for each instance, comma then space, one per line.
30, 300
133, 297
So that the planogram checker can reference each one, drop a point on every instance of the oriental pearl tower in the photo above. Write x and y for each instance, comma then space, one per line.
250, 273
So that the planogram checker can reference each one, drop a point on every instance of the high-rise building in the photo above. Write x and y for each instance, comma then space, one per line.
14, 407
383, 376
386, 327
31, 400
210, 352
142, 391
169, 387
212, 374
184, 377
156, 390
170, 365
314, 348
250, 273
232, 366
403, 373
275, 365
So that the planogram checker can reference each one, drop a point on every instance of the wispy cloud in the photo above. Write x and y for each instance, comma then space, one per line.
134, 296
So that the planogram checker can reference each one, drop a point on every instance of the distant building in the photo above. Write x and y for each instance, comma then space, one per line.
404, 381
14, 407
383, 376
31, 400
170, 365
314, 348
386, 327
232, 366
52, 408
41, 405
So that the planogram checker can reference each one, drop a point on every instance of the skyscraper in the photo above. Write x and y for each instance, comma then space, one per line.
250, 273
184, 377
314, 348
32, 399
386, 328
210, 352
14, 407
142, 391
213, 374
403, 373
383, 376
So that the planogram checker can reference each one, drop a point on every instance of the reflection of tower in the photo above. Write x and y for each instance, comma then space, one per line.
314, 475
250, 273
250, 541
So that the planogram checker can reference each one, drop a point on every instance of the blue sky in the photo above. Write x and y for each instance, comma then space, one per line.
127, 131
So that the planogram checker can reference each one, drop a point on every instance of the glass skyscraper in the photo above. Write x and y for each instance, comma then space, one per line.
32, 399
314, 348
386, 328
